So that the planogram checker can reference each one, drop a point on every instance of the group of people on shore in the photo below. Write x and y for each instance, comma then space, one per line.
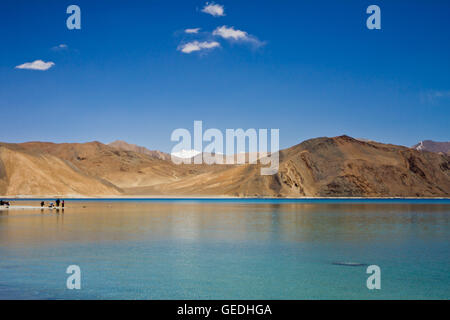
4, 203
57, 203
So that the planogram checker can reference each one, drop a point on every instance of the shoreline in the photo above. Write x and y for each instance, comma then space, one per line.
196, 197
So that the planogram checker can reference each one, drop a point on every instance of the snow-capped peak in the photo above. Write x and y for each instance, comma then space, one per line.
185, 153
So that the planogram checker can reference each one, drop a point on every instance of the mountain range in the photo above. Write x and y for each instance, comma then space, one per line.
433, 146
122, 145
322, 167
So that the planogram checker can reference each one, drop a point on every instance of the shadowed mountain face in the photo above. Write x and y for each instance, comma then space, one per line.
335, 167
433, 146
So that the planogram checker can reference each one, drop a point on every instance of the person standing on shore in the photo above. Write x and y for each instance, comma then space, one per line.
42, 204
62, 204
57, 202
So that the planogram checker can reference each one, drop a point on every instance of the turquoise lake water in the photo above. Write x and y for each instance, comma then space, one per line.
227, 249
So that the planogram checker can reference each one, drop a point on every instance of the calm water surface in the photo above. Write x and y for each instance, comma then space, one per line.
227, 249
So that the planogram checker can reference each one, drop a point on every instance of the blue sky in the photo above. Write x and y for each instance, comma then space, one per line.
309, 68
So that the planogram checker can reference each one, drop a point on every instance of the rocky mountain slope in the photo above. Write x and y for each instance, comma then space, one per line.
329, 167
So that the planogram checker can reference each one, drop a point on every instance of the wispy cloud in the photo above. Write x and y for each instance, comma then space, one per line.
216, 10
230, 33
440, 94
36, 65
433, 96
192, 30
60, 47
197, 46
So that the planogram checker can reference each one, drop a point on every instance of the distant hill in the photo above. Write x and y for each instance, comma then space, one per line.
122, 145
321, 167
433, 146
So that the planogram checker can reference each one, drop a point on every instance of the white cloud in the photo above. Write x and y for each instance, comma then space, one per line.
193, 30
197, 46
230, 33
216, 10
36, 65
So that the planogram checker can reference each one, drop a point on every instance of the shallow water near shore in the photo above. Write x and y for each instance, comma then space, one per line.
227, 249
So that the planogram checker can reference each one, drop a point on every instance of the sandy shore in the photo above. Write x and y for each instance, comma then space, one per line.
168, 197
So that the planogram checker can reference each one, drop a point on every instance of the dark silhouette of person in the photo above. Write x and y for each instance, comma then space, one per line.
42, 204
57, 202
62, 203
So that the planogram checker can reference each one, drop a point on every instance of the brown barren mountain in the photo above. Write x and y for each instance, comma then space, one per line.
24, 172
343, 166
326, 167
